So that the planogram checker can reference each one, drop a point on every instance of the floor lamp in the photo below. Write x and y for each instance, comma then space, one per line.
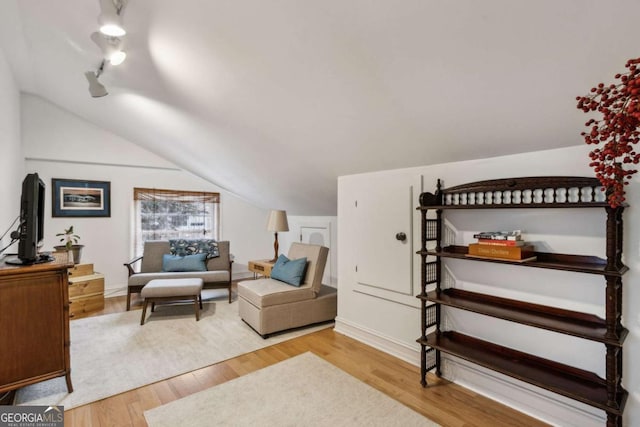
277, 222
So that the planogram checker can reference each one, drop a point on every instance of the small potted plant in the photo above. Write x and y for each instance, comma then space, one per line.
70, 244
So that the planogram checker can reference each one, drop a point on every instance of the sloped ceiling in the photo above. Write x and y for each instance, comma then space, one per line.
273, 100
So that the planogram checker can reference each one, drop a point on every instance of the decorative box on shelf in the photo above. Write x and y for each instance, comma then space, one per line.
86, 290
516, 253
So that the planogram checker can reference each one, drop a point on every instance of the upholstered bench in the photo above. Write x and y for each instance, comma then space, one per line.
159, 290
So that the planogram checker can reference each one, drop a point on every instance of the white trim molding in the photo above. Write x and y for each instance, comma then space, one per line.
379, 341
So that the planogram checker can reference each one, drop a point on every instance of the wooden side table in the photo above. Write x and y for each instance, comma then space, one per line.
261, 267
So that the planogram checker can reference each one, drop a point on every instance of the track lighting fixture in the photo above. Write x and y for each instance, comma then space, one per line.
110, 19
108, 39
96, 89
111, 48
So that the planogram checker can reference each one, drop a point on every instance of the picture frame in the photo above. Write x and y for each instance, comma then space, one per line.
80, 198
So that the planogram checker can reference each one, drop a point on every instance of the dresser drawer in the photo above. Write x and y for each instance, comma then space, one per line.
84, 305
80, 270
86, 285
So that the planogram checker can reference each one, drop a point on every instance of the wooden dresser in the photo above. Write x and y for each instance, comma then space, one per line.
34, 323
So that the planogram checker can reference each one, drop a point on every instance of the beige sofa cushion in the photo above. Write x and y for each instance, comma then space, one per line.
172, 288
268, 292
141, 279
275, 318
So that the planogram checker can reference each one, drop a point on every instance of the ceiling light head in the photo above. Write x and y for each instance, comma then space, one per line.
111, 25
111, 48
117, 57
96, 89
110, 19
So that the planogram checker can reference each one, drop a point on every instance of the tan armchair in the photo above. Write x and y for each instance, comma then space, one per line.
269, 305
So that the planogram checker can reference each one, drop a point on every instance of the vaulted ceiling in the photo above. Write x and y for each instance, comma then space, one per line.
273, 100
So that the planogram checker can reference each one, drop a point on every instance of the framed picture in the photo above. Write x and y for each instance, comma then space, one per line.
80, 198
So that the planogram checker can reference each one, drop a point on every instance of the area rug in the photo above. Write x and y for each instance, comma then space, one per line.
302, 391
111, 354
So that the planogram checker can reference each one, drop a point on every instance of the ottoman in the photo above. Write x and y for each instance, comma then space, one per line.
162, 290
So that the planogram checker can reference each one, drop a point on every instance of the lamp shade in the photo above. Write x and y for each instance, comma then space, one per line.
277, 221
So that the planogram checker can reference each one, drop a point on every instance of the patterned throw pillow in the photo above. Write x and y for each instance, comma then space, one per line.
184, 247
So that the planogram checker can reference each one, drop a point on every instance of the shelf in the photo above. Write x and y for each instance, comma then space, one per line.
520, 206
569, 322
575, 193
578, 263
574, 383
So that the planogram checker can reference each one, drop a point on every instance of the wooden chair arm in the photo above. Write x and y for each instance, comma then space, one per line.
129, 267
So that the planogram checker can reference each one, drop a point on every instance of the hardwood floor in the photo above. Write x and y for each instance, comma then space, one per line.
443, 402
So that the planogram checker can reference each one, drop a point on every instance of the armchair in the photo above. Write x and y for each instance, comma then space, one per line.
269, 305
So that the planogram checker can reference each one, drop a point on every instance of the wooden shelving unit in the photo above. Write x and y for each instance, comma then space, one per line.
552, 192
566, 262
562, 379
582, 325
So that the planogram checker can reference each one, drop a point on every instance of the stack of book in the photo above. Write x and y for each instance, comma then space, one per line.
502, 245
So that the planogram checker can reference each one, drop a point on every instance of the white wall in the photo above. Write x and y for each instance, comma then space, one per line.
58, 144
12, 169
394, 326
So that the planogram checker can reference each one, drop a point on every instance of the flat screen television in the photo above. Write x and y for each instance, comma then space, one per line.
31, 230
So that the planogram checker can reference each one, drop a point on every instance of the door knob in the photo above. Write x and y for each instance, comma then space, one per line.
401, 236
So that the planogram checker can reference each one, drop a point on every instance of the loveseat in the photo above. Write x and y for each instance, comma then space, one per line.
216, 276
269, 305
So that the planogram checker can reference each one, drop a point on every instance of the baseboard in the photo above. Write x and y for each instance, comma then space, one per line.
379, 341
115, 291
538, 403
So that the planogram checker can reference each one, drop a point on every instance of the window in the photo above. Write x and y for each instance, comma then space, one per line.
171, 214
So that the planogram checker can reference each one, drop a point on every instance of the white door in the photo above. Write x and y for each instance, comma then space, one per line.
385, 253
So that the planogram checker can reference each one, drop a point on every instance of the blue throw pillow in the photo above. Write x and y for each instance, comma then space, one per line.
175, 263
290, 271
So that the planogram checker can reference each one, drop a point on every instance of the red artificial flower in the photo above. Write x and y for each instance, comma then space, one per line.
617, 132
